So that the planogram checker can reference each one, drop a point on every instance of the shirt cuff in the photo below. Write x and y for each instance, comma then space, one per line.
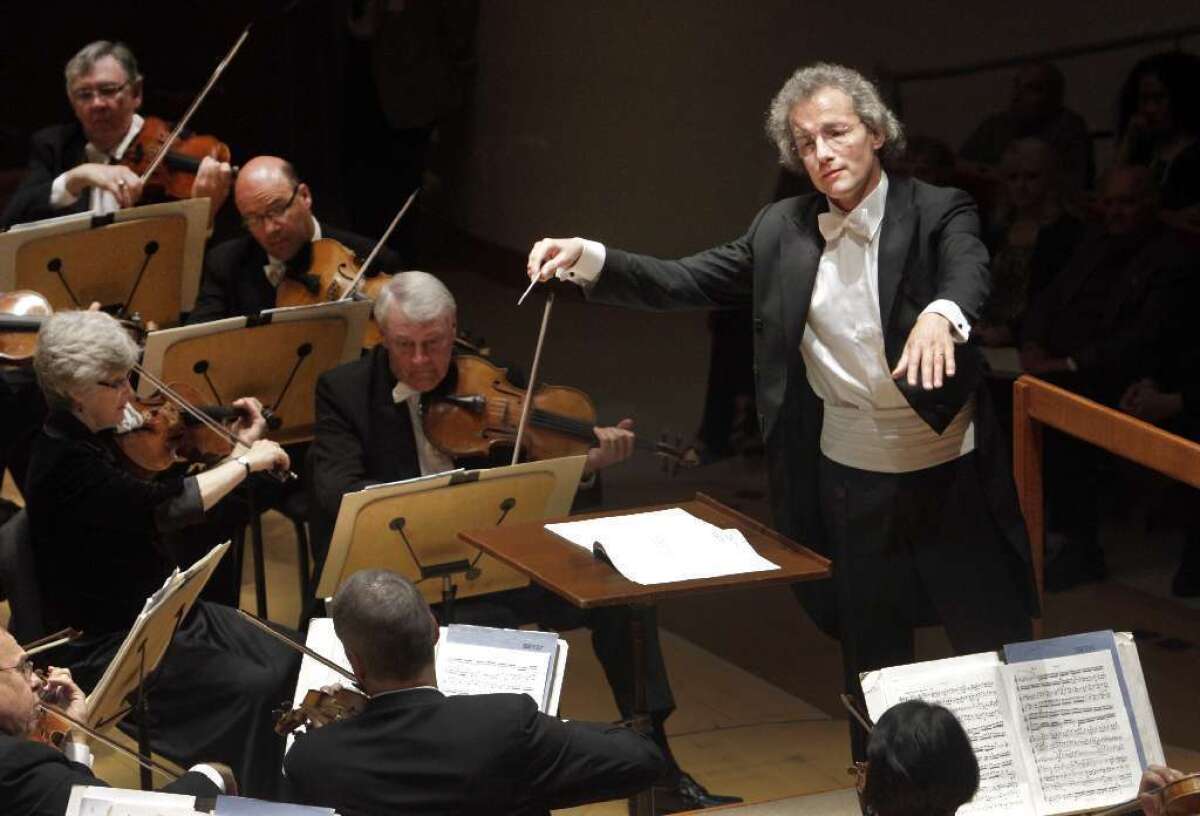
959, 327
587, 482
211, 773
59, 195
78, 752
587, 269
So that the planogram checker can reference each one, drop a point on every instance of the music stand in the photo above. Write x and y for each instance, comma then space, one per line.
586, 581
276, 356
412, 527
143, 260
143, 649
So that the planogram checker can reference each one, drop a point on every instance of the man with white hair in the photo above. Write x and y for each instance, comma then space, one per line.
882, 449
369, 430
76, 167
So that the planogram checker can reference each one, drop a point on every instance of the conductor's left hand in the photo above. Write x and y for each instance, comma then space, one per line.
616, 445
928, 354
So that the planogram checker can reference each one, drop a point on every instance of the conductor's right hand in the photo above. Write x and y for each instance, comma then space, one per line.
265, 454
123, 183
552, 254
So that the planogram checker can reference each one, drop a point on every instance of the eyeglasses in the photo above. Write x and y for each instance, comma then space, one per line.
836, 136
106, 91
25, 667
116, 383
273, 213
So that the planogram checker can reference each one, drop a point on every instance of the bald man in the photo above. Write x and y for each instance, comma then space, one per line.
242, 274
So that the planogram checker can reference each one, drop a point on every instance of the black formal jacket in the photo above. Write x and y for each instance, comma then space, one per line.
52, 151
929, 248
234, 284
419, 752
36, 780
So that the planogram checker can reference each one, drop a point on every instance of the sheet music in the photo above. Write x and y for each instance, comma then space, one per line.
971, 688
1077, 738
93, 800
662, 546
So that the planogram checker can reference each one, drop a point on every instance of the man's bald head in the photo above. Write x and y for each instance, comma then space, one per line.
1129, 198
275, 205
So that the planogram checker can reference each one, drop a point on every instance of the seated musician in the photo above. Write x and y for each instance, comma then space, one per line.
35, 777
76, 167
368, 431
920, 763
95, 527
241, 274
414, 750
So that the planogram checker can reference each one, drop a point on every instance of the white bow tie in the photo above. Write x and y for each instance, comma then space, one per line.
832, 224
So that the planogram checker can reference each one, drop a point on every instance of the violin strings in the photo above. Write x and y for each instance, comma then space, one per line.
205, 420
145, 762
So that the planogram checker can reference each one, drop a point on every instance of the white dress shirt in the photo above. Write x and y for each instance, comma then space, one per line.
276, 268
868, 424
430, 458
102, 201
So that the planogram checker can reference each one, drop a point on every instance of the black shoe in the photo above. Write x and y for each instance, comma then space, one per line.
1075, 564
685, 793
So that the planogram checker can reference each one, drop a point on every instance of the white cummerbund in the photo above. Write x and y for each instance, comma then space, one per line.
894, 440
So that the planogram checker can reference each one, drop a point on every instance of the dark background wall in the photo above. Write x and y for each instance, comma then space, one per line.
638, 122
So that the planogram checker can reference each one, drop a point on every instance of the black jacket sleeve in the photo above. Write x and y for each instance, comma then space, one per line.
31, 201
337, 457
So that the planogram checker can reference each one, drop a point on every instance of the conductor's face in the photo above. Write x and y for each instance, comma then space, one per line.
836, 146
418, 353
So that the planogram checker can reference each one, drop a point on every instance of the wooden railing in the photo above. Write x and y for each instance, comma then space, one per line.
1037, 403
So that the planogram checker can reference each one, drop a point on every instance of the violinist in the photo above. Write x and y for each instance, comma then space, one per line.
36, 778
76, 167
95, 530
368, 431
415, 750
241, 275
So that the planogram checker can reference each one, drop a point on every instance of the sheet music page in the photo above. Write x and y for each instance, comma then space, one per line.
971, 687
314, 675
662, 546
92, 800
1076, 736
482, 660
1139, 698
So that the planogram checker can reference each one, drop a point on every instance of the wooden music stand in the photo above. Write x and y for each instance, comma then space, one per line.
577, 576
143, 649
276, 357
1037, 403
143, 260
412, 527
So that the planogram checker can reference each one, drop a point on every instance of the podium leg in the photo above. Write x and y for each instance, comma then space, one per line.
642, 804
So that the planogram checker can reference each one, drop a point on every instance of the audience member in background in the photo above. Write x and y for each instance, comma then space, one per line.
920, 763
1158, 126
927, 159
1031, 238
1170, 396
1093, 330
1036, 109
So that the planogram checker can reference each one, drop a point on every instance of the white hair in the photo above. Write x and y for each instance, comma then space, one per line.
75, 349
805, 83
417, 296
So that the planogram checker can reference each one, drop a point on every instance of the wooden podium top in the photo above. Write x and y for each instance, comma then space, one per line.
586, 581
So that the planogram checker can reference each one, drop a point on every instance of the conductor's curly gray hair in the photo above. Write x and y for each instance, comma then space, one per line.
77, 349
803, 84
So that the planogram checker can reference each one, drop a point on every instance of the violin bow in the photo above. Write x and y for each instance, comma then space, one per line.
537, 359
378, 246
201, 417
182, 123
146, 762
299, 647
48, 642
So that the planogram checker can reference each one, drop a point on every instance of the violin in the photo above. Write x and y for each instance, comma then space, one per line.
483, 408
22, 313
174, 175
176, 428
1178, 798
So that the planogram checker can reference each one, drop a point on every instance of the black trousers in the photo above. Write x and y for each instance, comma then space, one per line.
611, 637
213, 696
914, 549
